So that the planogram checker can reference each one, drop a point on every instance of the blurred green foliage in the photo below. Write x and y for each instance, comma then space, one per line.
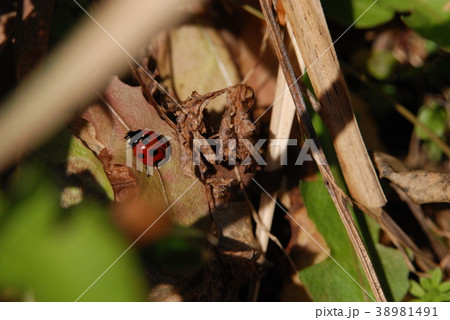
381, 64
431, 289
434, 116
430, 19
48, 253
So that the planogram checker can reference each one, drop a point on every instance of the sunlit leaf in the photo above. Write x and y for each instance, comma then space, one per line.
416, 289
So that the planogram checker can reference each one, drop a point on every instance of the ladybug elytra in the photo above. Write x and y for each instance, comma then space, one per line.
149, 147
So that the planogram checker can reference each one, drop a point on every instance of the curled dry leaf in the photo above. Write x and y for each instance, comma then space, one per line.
234, 132
235, 124
191, 126
140, 199
420, 185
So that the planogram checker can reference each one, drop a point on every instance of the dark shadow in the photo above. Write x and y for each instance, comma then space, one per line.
374, 256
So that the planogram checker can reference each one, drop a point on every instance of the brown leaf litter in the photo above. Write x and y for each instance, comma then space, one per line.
420, 185
235, 129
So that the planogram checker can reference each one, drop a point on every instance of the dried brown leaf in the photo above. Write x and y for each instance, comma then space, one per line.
191, 126
235, 124
420, 185
235, 129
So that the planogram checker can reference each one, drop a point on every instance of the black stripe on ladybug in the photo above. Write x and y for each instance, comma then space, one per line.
150, 147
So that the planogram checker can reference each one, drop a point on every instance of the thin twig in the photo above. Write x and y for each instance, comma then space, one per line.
339, 198
417, 211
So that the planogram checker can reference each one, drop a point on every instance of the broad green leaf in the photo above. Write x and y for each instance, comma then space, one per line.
427, 291
426, 283
55, 254
444, 287
430, 19
416, 290
436, 277
445, 297
395, 271
327, 281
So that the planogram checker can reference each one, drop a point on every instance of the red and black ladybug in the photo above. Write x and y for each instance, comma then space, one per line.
150, 147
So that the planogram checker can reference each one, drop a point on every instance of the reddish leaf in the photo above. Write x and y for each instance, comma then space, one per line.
142, 199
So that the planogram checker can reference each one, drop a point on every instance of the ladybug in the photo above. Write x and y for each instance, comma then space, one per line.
150, 147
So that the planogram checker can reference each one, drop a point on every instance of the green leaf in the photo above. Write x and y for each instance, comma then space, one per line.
433, 151
327, 281
347, 12
436, 277
444, 287
445, 297
430, 19
66, 151
426, 283
56, 254
381, 64
395, 271
416, 290
335, 284
434, 117
80, 154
